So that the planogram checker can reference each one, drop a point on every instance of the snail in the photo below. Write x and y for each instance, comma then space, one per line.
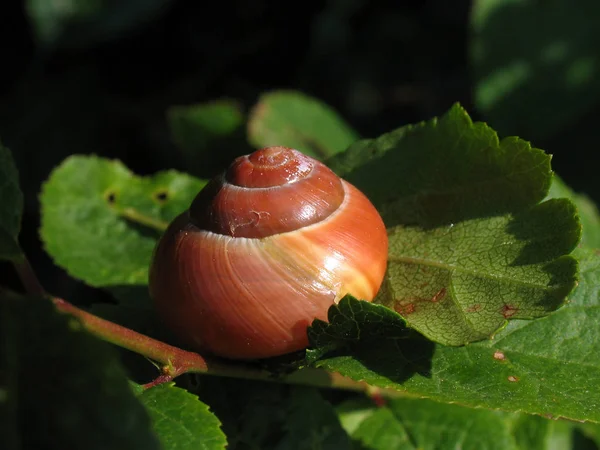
263, 250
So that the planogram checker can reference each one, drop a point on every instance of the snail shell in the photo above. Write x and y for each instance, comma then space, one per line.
263, 250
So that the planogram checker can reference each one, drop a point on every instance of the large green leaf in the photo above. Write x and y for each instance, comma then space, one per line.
180, 420
470, 246
11, 206
546, 49
65, 388
548, 366
410, 424
100, 221
295, 120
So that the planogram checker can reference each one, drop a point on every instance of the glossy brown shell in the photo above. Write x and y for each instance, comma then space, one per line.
264, 250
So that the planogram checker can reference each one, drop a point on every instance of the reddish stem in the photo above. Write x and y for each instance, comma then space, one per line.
177, 361
28, 277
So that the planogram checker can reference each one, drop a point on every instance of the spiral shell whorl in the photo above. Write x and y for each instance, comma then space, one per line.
274, 190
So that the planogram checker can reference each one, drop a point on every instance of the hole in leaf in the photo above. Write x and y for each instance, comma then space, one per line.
161, 196
111, 197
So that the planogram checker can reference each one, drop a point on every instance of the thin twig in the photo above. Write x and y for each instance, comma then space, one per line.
177, 361
28, 278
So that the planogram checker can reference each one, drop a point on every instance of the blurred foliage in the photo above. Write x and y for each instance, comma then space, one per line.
536, 63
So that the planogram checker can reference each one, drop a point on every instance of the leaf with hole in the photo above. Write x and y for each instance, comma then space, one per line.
100, 221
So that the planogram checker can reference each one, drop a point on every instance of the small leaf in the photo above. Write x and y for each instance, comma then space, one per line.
548, 367
295, 120
180, 420
101, 222
353, 322
70, 389
588, 212
11, 207
210, 135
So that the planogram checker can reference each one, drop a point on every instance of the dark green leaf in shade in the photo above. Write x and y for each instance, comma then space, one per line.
180, 420
265, 415
549, 367
591, 431
253, 413
516, 67
295, 120
311, 423
100, 221
410, 424
11, 207
588, 212
352, 322
210, 135
445, 170
81, 23
69, 387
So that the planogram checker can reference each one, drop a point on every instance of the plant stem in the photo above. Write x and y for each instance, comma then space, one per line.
28, 277
178, 361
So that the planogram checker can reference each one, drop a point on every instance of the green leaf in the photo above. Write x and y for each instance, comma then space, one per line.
588, 212
460, 283
311, 423
515, 67
445, 170
68, 387
100, 221
11, 207
295, 120
354, 324
469, 247
180, 420
210, 135
548, 367
407, 424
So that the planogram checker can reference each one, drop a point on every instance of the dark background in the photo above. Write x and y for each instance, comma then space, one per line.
104, 85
